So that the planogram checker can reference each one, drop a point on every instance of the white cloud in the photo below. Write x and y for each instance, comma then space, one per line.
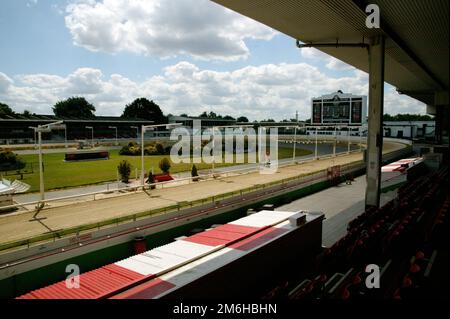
31, 3
5, 82
163, 28
327, 60
258, 92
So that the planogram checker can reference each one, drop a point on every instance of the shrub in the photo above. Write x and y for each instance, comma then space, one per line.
124, 169
10, 161
159, 149
151, 179
194, 173
150, 150
131, 149
164, 165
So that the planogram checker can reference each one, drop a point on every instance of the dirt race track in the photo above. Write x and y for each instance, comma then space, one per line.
18, 226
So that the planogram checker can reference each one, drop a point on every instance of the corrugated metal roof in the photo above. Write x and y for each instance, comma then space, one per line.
157, 265
263, 219
93, 284
417, 34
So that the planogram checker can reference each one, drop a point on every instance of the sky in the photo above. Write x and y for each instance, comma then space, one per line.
189, 56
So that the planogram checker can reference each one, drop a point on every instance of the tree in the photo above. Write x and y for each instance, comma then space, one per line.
407, 117
144, 109
74, 107
26, 113
10, 161
124, 169
164, 165
242, 119
210, 115
194, 173
5, 110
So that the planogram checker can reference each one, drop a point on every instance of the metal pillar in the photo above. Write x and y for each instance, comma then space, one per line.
142, 157
348, 140
41, 168
335, 141
375, 133
315, 149
295, 144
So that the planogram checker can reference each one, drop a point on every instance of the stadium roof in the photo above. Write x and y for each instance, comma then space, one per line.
417, 36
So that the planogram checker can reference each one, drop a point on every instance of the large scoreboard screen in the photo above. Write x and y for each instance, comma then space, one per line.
337, 111
317, 112
357, 111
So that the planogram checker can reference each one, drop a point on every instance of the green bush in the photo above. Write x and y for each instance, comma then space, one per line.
150, 150
10, 161
194, 173
151, 179
159, 148
153, 148
124, 169
164, 165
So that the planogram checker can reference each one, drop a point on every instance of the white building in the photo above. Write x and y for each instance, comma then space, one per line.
409, 129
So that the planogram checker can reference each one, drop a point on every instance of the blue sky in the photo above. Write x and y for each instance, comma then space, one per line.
188, 61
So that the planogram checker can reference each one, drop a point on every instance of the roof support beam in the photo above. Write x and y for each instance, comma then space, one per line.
333, 45
390, 33
375, 131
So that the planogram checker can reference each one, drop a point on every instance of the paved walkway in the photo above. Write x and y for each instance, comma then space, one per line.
340, 204
19, 226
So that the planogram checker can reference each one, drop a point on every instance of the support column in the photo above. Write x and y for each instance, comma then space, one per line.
375, 133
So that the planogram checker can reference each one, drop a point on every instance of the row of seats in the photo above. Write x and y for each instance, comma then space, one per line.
387, 236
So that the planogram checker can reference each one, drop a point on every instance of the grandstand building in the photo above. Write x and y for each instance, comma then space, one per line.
18, 129
188, 121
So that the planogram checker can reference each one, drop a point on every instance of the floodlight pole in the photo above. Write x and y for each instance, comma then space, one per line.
315, 151
214, 138
137, 132
142, 155
144, 128
92, 134
39, 130
115, 127
348, 139
335, 141
295, 143
360, 139
41, 168
65, 135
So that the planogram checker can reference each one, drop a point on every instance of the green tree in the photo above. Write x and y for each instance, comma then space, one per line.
407, 117
10, 161
124, 169
74, 107
5, 110
164, 165
144, 109
242, 119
